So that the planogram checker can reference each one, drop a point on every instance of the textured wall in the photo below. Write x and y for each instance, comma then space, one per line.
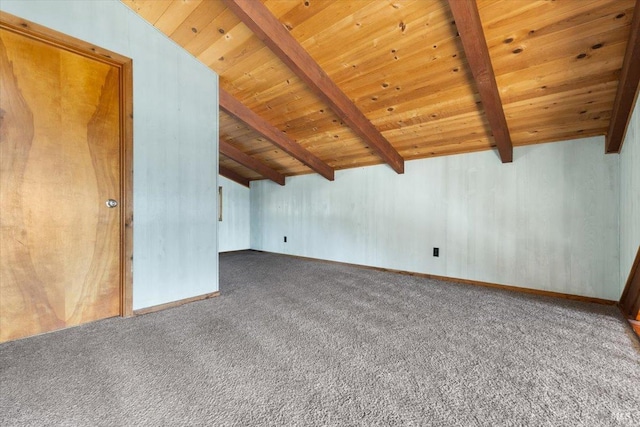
175, 146
234, 231
630, 196
547, 221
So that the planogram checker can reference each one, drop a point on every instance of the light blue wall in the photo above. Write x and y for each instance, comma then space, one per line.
175, 146
546, 221
630, 196
234, 232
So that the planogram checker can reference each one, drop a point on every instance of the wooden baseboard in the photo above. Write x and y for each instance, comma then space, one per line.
173, 304
465, 281
525, 290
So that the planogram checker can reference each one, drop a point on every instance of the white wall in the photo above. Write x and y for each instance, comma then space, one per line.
630, 196
175, 146
234, 231
547, 221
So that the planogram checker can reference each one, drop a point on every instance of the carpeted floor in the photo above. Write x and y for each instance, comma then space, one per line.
297, 342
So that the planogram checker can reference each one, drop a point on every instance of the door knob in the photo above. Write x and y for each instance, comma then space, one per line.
112, 203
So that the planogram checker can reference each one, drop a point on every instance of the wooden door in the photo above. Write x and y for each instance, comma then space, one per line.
60, 163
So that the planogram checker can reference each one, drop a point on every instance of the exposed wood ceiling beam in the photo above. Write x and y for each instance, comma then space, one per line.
249, 162
627, 88
467, 17
233, 176
234, 107
261, 21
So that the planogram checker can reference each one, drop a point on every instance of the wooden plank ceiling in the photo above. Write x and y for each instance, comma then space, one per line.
401, 64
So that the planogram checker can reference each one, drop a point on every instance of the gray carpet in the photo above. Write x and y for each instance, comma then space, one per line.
296, 342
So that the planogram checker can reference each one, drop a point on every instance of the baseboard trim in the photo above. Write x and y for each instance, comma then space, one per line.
527, 290
465, 281
173, 304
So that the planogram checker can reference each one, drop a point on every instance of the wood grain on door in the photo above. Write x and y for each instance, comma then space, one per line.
60, 163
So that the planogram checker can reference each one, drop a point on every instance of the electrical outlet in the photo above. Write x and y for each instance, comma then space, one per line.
285, 239
436, 252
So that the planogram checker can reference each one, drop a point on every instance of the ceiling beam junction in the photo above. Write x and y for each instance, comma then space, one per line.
467, 18
274, 35
249, 162
628, 85
238, 110
233, 176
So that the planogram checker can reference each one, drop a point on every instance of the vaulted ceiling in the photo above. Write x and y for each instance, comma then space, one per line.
314, 86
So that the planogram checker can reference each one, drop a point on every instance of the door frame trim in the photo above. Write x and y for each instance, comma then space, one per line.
59, 40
